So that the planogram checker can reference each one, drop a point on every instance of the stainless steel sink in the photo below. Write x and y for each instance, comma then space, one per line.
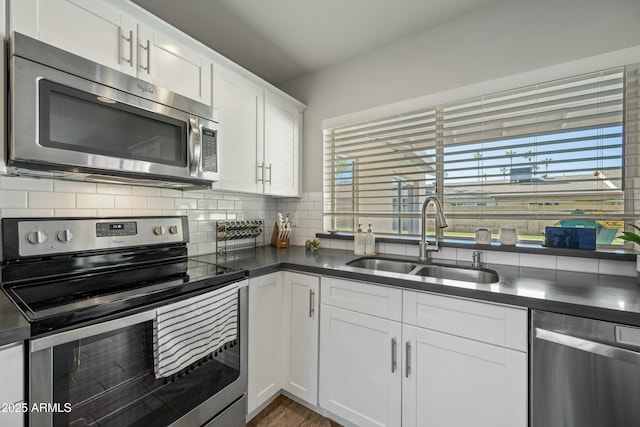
466, 274
392, 265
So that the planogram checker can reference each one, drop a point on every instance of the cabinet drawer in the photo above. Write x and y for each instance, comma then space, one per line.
11, 373
481, 321
376, 300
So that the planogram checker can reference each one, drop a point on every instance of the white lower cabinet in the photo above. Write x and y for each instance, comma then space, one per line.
265, 339
360, 377
300, 345
453, 381
450, 362
283, 337
12, 412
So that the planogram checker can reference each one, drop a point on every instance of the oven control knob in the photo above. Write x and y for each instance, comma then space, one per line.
158, 230
37, 237
65, 236
173, 229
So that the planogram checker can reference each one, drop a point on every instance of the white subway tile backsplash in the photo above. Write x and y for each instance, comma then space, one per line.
74, 187
503, 258
24, 183
146, 212
338, 244
38, 199
538, 261
226, 204
13, 199
207, 204
75, 212
181, 203
583, 265
171, 192
26, 213
392, 249
445, 253
617, 268
146, 191
96, 201
115, 212
159, 202
130, 202
113, 189
466, 255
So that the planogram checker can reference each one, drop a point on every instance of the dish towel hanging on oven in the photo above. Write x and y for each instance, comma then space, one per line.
191, 329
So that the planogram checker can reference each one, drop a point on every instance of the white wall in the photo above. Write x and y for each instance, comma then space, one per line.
509, 38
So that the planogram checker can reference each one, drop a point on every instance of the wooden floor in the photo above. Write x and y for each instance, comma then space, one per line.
284, 412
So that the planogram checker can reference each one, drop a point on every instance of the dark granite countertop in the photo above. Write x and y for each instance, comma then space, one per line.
611, 298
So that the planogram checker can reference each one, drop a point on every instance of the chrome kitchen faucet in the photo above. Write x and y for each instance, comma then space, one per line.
441, 222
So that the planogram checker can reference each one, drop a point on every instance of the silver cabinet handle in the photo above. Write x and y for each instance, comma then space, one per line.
261, 172
311, 304
394, 361
270, 172
408, 359
589, 346
148, 49
130, 41
195, 141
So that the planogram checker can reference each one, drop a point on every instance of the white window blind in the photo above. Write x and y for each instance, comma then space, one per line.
563, 151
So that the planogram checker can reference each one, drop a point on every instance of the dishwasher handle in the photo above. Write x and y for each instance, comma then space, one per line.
588, 346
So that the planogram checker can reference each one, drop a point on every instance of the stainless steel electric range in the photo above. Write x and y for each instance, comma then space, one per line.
125, 328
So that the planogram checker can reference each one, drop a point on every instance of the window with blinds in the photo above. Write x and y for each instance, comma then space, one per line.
557, 153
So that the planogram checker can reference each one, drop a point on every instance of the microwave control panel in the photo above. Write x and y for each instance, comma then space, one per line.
209, 150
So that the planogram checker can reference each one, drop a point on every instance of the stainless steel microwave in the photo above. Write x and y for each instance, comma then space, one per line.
77, 119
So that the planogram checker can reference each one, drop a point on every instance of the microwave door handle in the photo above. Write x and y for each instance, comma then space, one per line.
195, 146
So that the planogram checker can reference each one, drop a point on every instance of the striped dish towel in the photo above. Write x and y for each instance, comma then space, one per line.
191, 329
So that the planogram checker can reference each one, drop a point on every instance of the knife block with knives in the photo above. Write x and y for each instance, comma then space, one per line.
281, 232
276, 240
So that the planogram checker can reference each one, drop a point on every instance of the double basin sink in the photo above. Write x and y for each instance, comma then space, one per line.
440, 271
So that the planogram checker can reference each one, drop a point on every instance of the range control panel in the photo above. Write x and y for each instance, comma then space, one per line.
58, 236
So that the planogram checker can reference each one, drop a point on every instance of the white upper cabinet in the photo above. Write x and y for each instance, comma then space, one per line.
259, 137
281, 146
92, 29
241, 131
169, 64
100, 32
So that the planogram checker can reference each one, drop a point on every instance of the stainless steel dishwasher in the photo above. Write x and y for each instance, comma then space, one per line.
584, 372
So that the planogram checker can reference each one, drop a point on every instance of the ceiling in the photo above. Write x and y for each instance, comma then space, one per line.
281, 40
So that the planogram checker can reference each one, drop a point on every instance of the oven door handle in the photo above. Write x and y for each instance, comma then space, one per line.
88, 331
589, 346
195, 146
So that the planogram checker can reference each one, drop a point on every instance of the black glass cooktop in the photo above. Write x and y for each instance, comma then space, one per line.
56, 300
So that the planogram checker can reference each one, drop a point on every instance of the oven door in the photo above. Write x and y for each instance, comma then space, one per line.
103, 375
60, 122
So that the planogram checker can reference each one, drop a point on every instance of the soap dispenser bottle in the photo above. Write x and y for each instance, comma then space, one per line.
370, 242
358, 242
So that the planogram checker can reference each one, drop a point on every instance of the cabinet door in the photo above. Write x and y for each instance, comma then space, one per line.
171, 65
265, 338
360, 367
240, 135
281, 145
95, 30
453, 381
301, 329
